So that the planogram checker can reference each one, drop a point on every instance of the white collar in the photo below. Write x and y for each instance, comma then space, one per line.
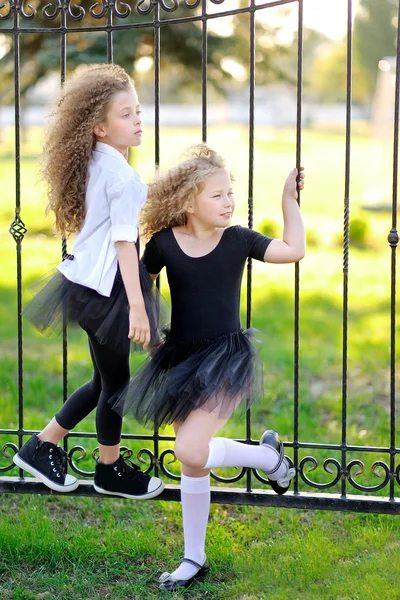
107, 149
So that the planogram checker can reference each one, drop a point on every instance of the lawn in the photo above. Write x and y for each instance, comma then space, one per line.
81, 548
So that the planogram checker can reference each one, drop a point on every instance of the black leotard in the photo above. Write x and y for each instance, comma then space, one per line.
205, 291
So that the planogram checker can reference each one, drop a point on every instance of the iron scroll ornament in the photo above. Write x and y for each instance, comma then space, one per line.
97, 10
167, 457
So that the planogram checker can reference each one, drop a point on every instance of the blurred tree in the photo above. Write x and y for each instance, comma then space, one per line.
181, 51
328, 81
374, 37
375, 31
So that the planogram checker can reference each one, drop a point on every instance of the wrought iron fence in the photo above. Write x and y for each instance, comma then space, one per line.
61, 17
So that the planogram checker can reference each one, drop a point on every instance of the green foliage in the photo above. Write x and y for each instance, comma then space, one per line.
359, 231
180, 60
312, 238
269, 227
328, 79
375, 35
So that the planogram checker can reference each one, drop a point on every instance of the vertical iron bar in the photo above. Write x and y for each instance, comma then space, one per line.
16, 34
110, 48
297, 266
204, 72
393, 239
252, 66
346, 241
157, 84
157, 50
63, 65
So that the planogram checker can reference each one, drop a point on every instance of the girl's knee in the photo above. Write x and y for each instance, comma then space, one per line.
191, 453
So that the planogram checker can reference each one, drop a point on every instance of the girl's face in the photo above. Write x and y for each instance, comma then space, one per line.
122, 126
215, 204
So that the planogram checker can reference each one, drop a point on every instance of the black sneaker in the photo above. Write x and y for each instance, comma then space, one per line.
124, 478
47, 462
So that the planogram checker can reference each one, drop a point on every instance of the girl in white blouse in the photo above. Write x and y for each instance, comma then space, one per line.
95, 194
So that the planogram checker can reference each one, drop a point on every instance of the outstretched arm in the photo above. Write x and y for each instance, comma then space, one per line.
292, 246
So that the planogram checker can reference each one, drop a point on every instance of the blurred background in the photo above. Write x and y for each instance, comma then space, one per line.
322, 154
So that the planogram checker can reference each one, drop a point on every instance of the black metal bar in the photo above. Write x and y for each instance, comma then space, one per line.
296, 332
204, 56
346, 238
252, 80
393, 241
157, 50
109, 29
236, 496
17, 100
166, 438
64, 249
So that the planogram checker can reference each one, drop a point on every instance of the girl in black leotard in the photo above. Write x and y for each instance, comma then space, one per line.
207, 364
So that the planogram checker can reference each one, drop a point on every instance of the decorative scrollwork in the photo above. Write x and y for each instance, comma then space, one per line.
150, 455
18, 229
169, 5
8, 446
125, 451
71, 458
52, 14
28, 16
11, 7
75, 16
142, 9
98, 15
162, 466
237, 477
364, 488
110, 5
326, 464
121, 14
397, 474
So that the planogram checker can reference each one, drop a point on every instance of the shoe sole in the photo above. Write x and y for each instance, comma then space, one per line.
147, 496
279, 489
174, 586
64, 489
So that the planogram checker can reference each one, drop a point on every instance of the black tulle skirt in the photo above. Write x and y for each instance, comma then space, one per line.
215, 375
58, 301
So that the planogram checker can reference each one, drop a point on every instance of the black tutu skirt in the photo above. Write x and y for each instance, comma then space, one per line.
214, 375
59, 301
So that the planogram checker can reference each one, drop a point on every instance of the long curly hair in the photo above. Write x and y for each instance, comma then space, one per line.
83, 104
171, 191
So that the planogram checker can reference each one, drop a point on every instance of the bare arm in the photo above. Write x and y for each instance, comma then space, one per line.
139, 328
292, 246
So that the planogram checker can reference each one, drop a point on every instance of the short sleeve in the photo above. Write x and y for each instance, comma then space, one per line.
126, 199
152, 257
255, 243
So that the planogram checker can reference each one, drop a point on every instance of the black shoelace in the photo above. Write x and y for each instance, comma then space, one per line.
58, 458
126, 468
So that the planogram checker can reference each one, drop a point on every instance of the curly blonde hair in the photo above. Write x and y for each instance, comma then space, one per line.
171, 191
83, 104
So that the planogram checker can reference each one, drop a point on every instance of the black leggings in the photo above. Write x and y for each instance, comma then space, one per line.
111, 372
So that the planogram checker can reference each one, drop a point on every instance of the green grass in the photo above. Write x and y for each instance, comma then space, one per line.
82, 548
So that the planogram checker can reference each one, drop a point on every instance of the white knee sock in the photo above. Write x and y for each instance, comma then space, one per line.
224, 452
195, 498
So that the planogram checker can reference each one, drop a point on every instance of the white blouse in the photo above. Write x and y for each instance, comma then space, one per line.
114, 197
